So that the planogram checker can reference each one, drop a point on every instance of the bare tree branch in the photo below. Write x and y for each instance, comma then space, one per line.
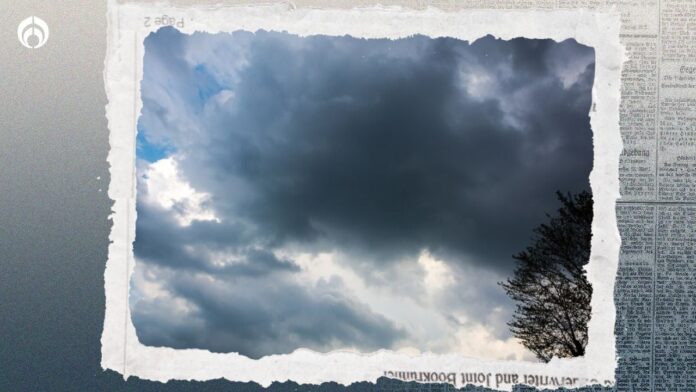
549, 283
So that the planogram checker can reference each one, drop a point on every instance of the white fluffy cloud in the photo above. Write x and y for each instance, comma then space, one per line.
166, 188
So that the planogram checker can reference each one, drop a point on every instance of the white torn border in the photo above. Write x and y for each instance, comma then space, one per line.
121, 350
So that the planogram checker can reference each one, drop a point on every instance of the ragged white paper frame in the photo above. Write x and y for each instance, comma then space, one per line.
121, 350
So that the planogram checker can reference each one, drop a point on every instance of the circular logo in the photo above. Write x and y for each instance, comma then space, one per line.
32, 32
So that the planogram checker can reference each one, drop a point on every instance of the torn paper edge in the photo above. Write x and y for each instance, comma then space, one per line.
121, 350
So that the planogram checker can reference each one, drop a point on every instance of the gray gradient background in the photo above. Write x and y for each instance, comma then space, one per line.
54, 209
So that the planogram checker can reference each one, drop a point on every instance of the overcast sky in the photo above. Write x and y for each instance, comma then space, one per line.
333, 192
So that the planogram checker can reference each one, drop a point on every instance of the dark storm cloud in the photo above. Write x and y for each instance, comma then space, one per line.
260, 317
372, 148
378, 146
241, 309
162, 241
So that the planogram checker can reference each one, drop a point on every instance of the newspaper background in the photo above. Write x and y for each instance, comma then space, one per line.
656, 324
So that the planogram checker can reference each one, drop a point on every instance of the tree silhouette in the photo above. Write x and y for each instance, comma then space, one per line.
549, 284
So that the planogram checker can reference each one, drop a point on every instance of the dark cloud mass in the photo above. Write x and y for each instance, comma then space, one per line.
258, 318
377, 148
391, 153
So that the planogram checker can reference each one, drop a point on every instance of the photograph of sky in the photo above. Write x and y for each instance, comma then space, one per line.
342, 193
